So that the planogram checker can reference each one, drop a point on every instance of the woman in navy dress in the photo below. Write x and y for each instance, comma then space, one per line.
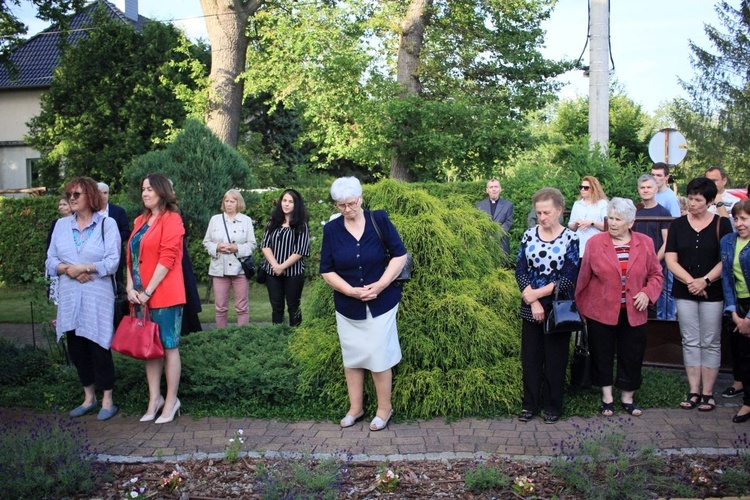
353, 262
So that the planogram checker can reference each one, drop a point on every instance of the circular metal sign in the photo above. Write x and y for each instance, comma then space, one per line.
667, 146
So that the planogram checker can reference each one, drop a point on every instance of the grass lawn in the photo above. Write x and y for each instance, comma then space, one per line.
16, 306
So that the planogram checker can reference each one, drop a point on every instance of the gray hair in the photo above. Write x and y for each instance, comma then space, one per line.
646, 177
623, 207
102, 186
344, 188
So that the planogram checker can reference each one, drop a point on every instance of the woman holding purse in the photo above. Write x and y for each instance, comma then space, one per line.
155, 280
735, 280
229, 238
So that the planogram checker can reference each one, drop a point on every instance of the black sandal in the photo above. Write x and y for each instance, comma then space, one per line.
632, 409
705, 405
607, 407
525, 416
688, 403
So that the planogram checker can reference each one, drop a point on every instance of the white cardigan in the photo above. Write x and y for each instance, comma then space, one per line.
241, 232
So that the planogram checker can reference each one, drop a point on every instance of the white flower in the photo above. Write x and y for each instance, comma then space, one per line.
231, 440
134, 480
240, 432
133, 494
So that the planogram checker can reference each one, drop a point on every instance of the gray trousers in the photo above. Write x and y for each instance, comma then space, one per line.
700, 327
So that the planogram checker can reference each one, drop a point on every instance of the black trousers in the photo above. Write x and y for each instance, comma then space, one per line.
627, 342
285, 289
740, 345
544, 359
93, 362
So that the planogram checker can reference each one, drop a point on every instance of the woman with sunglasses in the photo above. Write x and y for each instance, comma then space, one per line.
589, 211
286, 243
84, 252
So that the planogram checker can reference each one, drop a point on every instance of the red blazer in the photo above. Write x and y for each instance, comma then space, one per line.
162, 244
599, 286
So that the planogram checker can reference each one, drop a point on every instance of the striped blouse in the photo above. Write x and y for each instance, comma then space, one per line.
623, 255
283, 242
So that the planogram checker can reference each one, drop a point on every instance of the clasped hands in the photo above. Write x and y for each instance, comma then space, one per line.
530, 297
367, 292
77, 272
226, 248
698, 287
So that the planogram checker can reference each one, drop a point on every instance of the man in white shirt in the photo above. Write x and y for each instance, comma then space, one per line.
724, 200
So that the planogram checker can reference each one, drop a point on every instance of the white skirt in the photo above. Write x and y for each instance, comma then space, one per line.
370, 343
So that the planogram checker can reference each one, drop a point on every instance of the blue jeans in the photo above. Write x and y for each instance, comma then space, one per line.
665, 306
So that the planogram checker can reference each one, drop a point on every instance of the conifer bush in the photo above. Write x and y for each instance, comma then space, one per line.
458, 319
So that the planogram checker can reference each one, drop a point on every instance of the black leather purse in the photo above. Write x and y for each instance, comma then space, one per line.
563, 316
580, 365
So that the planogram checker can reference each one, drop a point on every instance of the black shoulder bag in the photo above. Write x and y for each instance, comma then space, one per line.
405, 274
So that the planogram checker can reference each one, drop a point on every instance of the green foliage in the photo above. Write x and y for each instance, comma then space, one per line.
485, 477
300, 477
480, 69
202, 168
594, 462
46, 458
716, 117
115, 95
247, 363
458, 319
25, 224
19, 365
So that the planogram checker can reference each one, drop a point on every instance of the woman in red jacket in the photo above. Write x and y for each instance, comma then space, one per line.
620, 275
155, 279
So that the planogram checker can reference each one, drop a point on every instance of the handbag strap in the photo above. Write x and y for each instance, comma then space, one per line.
111, 276
380, 236
229, 240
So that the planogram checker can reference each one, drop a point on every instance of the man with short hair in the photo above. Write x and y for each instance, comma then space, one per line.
499, 210
657, 231
724, 200
123, 226
665, 196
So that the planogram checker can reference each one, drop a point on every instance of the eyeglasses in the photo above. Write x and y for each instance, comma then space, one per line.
74, 195
344, 206
585, 188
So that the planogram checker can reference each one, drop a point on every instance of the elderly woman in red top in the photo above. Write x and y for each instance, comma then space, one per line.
620, 275
155, 280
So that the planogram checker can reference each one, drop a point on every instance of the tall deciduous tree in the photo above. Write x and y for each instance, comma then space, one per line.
115, 95
226, 23
470, 71
716, 118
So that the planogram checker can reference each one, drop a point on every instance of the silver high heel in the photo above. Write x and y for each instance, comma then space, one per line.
148, 417
168, 418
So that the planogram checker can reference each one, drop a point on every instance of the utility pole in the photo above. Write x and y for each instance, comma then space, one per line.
599, 74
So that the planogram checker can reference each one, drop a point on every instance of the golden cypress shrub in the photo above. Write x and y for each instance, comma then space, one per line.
458, 321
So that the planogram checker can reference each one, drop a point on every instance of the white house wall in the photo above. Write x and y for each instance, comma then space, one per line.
17, 107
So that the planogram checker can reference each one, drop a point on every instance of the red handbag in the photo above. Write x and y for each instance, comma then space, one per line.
138, 337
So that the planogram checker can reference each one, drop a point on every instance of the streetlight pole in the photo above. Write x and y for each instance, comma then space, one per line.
599, 74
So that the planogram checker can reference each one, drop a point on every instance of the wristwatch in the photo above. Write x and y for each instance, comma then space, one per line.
708, 281
721, 204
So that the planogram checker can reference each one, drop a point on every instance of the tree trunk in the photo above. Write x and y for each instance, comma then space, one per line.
226, 22
410, 45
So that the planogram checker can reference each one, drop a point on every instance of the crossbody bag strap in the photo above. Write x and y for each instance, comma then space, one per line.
229, 240
111, 276
380, 235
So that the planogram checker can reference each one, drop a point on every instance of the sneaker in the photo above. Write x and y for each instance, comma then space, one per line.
731, 392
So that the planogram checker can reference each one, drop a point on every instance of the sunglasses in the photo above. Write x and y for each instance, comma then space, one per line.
74, 195
585, 188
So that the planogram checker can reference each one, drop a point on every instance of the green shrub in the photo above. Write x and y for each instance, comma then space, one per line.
300, 477
19, 365
485, 477
45, 458
25, 224
246, 363
458, 320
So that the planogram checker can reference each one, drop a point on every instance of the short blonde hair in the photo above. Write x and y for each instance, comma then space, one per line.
237, 196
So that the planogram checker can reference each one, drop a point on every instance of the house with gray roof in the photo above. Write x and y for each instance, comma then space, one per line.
20, 91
